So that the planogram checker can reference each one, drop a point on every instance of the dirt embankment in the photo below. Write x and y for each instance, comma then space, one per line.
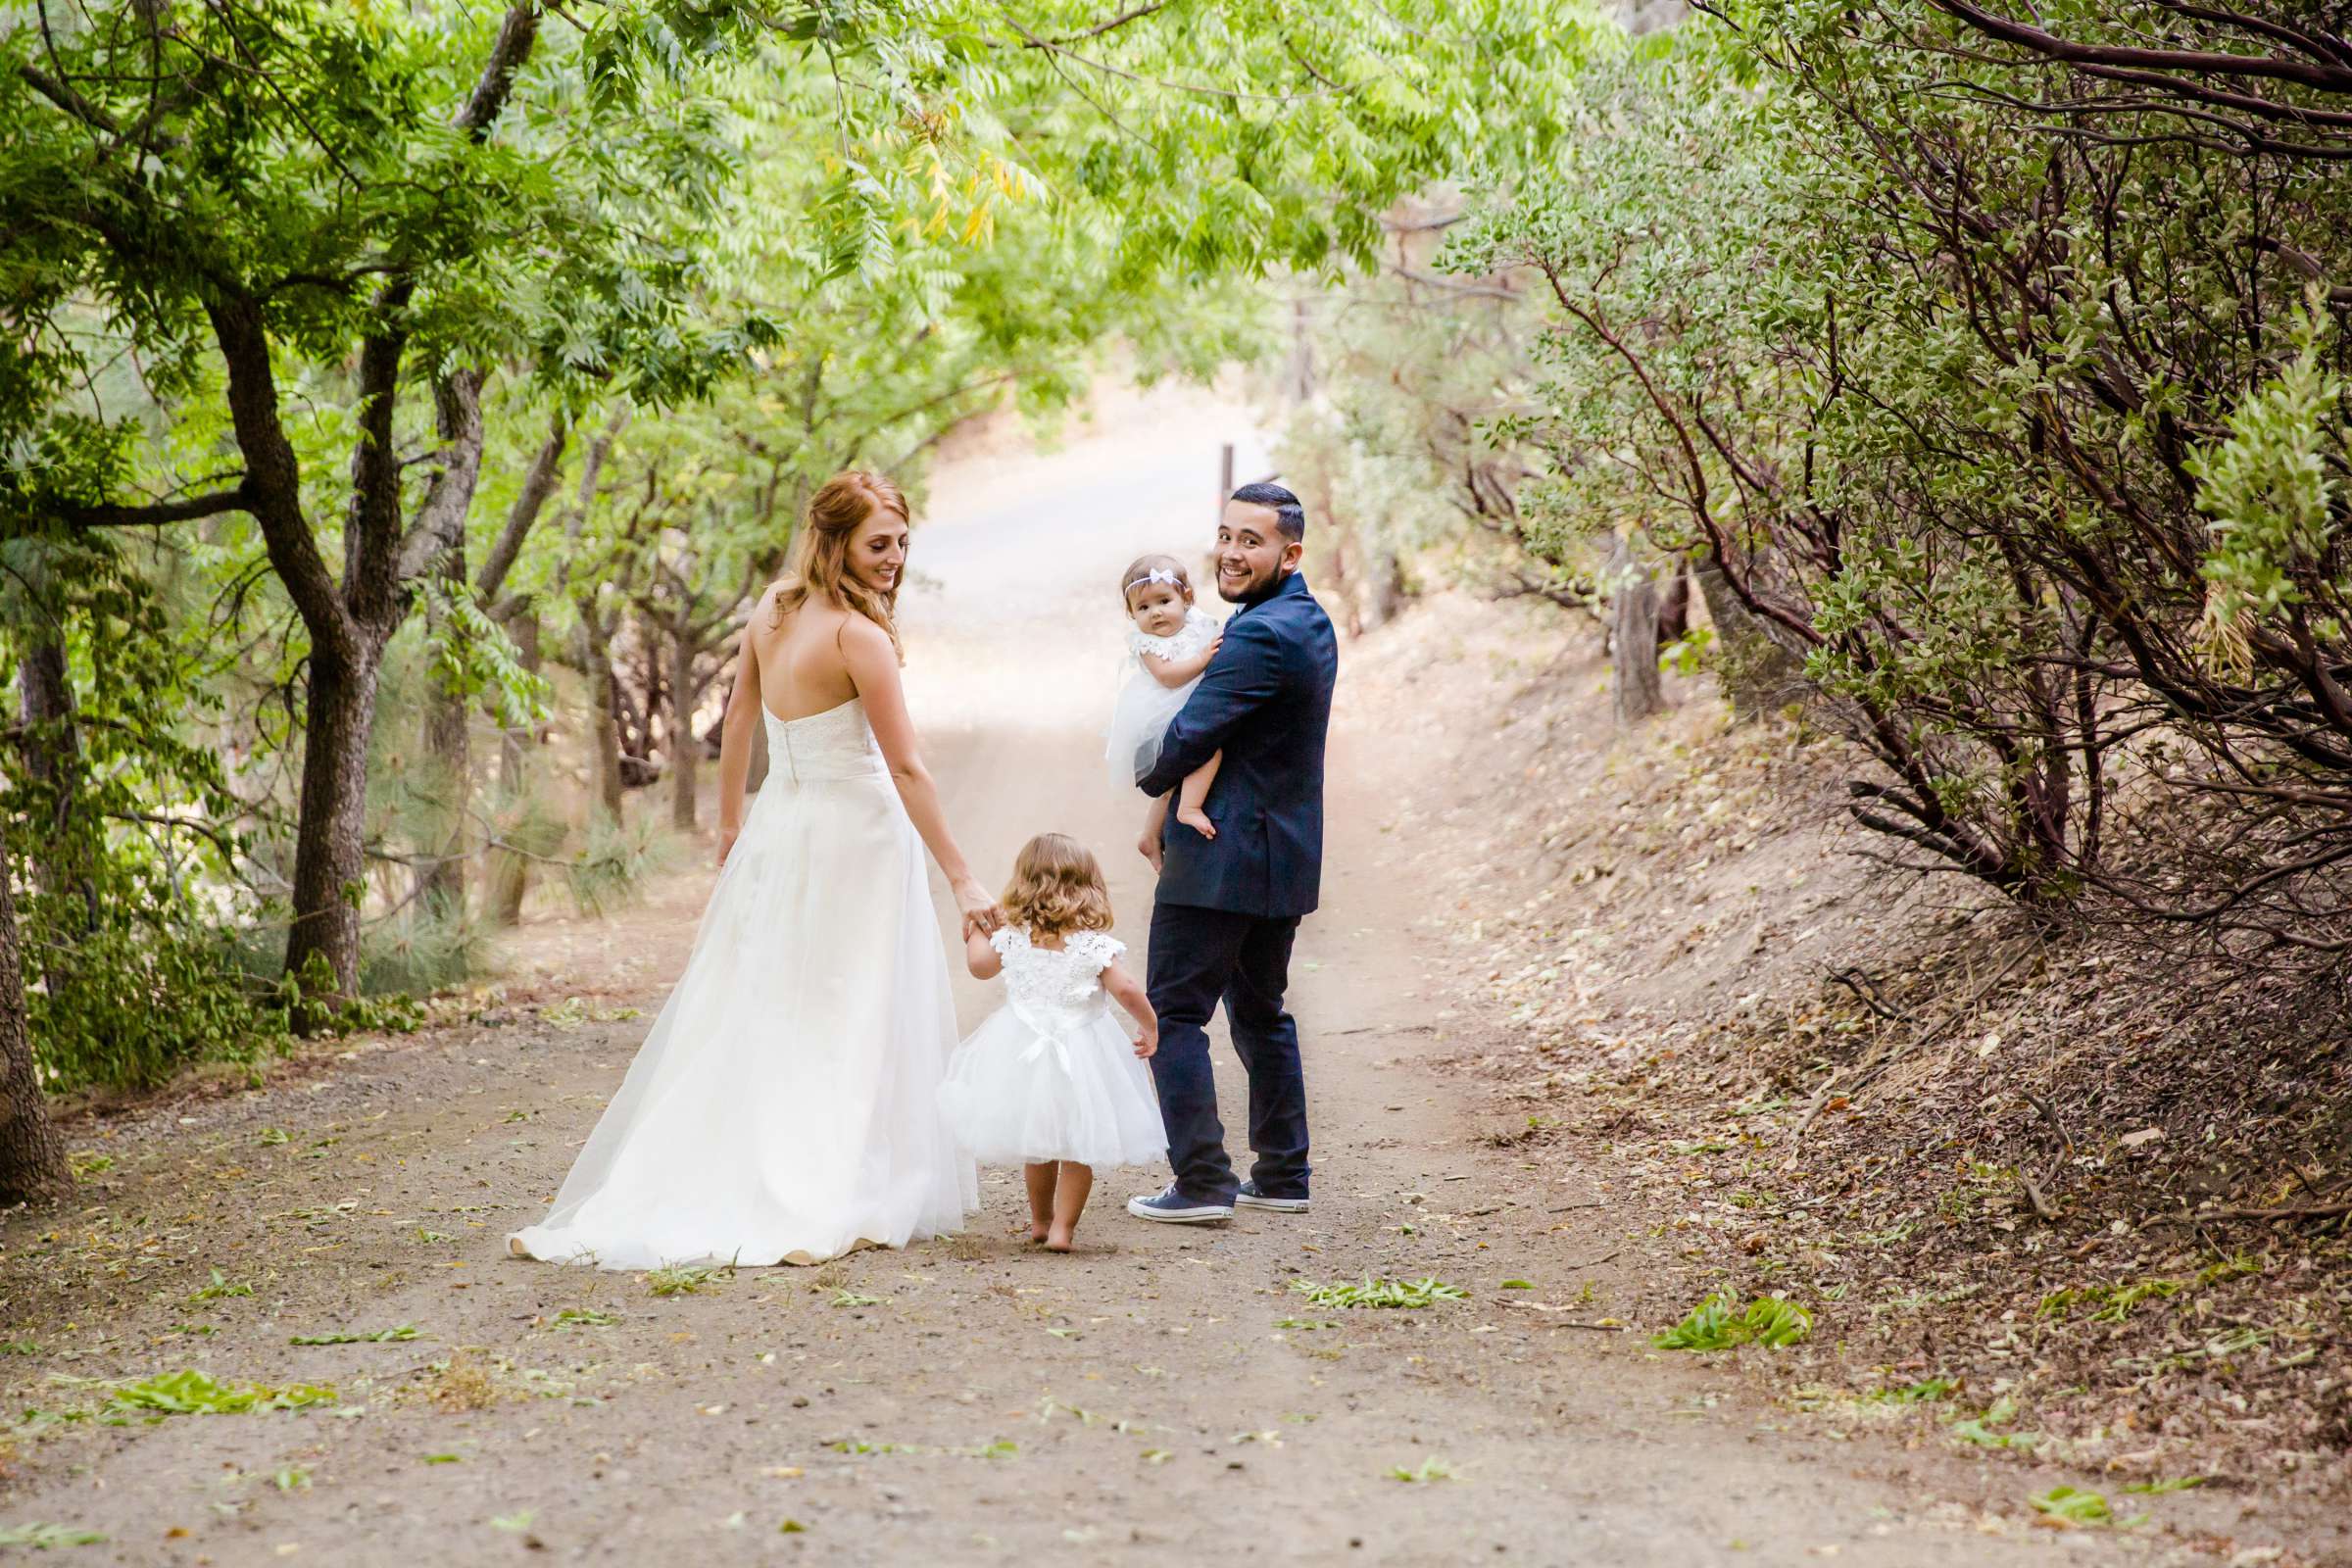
2010, 1172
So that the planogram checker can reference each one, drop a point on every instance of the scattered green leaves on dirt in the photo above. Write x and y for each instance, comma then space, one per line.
513, 1521
2115, 1303
1518, 1284
1925, 1391
792, 1527
1718, 1324
686, 1281
43, 1536
442, 1458
2157, 1487
220, 1288
1372, 1292
1427, 1470
403, 1331
853, 1298
1978, 1429
291, 1478
193, 1393
583, 1317
1305, 1323
2074, 1508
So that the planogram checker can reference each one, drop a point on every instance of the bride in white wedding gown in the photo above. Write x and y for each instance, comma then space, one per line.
782, 1107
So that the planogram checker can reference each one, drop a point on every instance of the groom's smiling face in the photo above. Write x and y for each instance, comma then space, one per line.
1252, 553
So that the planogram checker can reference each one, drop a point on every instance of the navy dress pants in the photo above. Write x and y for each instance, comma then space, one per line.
1199, 958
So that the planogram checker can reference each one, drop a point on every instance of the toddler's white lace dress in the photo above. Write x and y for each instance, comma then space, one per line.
1145, 707
1052, 1074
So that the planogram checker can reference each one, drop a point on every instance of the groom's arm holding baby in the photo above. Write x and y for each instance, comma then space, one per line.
1245, 676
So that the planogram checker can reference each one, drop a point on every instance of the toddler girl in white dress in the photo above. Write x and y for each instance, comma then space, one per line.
1171, 644
1050, 1081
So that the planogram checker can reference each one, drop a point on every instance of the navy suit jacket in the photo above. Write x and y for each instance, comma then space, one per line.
1265, 701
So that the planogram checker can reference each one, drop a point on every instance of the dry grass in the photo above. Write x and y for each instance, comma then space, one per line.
463, 1383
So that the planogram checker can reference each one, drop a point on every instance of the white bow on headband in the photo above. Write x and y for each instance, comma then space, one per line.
1156, 575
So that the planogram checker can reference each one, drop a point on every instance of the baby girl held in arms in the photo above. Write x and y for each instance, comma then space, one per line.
1050, 1082
1171, 643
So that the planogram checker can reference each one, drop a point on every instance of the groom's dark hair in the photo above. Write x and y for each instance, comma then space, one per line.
1288, 516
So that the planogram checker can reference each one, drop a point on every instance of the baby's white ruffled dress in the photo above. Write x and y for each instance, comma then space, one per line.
1145, 707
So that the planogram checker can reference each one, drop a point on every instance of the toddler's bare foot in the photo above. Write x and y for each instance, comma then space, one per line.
1060, 1239
1194, 818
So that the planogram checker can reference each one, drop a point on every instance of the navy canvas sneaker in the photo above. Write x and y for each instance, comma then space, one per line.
1171, 1207
1250, 1198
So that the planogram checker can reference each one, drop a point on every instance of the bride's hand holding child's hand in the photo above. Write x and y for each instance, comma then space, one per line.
980, 911
1146, 1041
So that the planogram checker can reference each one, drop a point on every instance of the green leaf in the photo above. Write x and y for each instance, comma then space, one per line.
43, 1536
1381, 1292
404, 1331
192, 1392
2074, 1506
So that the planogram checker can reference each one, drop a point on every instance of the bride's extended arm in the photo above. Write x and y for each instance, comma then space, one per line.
735, 733
874, 669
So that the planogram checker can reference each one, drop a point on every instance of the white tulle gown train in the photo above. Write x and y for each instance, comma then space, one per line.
783, 1108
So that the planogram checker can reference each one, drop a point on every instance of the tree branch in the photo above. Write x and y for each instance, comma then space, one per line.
113, 515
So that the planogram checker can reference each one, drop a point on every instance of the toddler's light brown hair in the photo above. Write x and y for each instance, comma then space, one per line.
1057, 887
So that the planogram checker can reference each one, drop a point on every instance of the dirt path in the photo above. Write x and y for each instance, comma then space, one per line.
1162, 1396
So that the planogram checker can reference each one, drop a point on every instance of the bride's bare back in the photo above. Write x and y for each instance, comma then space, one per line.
804, 668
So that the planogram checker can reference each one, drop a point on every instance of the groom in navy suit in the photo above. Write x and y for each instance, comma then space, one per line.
1228, 905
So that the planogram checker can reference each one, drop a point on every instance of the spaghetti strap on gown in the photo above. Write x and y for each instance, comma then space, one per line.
783, 1108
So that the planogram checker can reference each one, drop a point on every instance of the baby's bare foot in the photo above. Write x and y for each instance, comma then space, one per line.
1060, 1239
1198, 821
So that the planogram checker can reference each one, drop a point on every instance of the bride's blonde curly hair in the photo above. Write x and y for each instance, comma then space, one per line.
1057, 887
821, 554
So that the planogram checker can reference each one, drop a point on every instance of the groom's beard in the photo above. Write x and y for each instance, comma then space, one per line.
1256, 593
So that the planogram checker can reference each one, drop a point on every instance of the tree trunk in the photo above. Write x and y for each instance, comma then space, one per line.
603, 706
32, 1157
514, 744
329, 853
1673, 616
449, 754
1634, 688
684, 748
1757, 674
507, 875
53, 755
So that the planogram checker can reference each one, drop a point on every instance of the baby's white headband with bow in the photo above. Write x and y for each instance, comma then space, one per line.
1155, 575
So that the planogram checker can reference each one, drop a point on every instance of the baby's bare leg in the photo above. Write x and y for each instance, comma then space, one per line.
1193, 796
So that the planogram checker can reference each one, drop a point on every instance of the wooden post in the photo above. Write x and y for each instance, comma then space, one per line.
1224, 477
